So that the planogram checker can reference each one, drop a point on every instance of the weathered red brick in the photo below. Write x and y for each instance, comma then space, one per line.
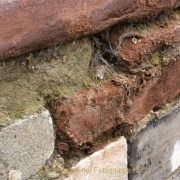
156, 93
27, 25
148, 42
91, 112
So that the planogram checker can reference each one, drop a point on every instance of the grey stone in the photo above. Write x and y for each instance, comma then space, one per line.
177, 177
52, 169
25, 146
109, 163
154, 152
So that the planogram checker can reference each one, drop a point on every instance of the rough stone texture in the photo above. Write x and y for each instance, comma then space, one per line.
147, 42
175, 175
28, 82
143, 86
14, 175
156, 93
154, 148
52, 169
91, 112
108, 163
176, 178
88, 114
145, 60
27, 25
25, 146
127, 46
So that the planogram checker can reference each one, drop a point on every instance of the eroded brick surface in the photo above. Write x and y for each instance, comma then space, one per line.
126, 99
95, 110
29, 25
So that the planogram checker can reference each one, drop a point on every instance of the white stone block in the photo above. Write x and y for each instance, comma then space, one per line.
109, 163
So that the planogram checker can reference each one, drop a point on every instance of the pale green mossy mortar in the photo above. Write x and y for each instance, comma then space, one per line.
27, 83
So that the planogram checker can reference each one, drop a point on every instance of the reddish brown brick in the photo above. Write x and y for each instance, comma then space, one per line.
27, 25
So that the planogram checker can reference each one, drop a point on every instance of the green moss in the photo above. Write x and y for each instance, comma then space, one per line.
54, 72
156, 58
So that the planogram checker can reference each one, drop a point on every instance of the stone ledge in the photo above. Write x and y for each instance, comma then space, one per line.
91, 112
